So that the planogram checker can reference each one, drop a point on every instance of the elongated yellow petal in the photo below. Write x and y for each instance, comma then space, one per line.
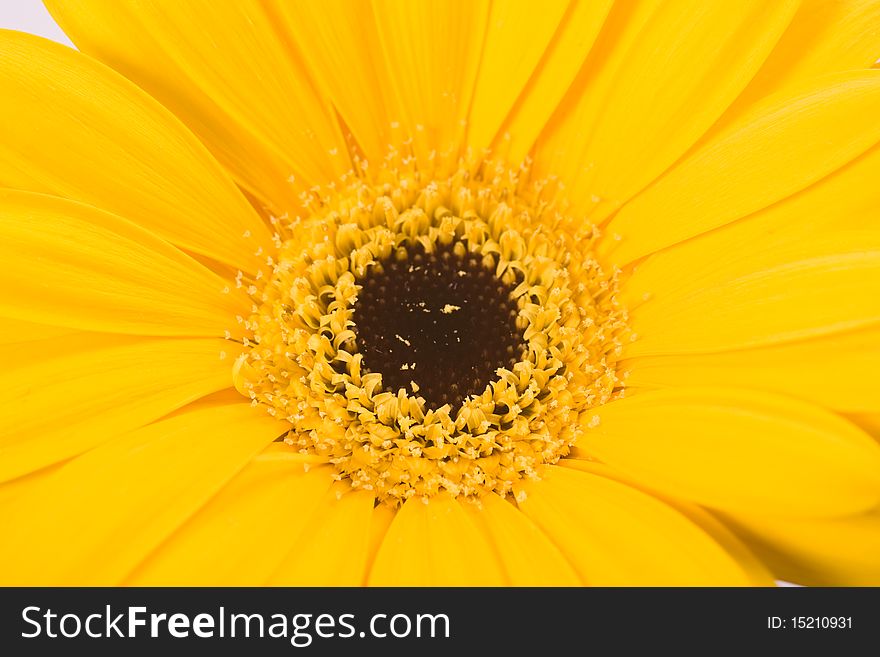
14, 488
224, 70
241, 536
383, 516
72, 127
432, 53
564, 56
435, 543
870, 422
13, 331
129, 493
577, 112
525, 553
69, 264
816, 552
837, 371
615, 535
798, 226
767, 154
338, 41
653, 100
824, 36
63, 396
739, 450
766, 295
333, 547
517, 38
756, 570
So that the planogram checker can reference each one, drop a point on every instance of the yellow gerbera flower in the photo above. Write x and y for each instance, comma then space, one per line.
441, 293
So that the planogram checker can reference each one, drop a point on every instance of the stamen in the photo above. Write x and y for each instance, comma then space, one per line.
427, 334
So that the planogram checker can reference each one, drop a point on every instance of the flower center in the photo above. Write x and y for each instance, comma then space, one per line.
429, 333
437, 323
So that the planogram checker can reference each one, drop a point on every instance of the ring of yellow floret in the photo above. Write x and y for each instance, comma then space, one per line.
302, 365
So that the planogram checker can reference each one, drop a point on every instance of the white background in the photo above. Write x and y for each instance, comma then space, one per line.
30, 16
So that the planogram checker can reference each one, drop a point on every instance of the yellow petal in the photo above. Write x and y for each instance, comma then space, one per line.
647, 104
757, 572
109, 508
432, 53
838, 371
333, 546
816, 552
337, 40
224, 70
809, 225
564, 56
870, 422
435, 543
839, 202
824, 36
769, 294
525, 553
69, 264
767, 154
13, 331
241, 536
383, 516
72, 127
63, 396
14, 488
739, 450
615, 535
796, 226
517, 39
578, 111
